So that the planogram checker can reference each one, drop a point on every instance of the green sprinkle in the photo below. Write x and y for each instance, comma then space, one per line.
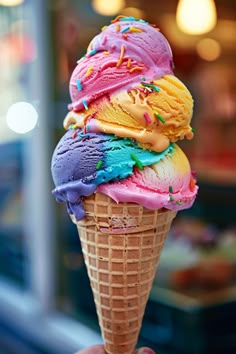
170, 189
160, 117
71, 126
193, 130
155, 88
143, 79
137, 161
171, 198
99, 164
178, 202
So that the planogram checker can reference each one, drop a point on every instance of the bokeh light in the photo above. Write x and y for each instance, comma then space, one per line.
196, 16
22, 117
208, 49
11, 2
108, 7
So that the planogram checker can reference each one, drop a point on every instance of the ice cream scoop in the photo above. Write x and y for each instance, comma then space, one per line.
116, 58
153, 117
81, 162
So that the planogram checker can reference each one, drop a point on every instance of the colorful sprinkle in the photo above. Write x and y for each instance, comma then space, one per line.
78, 84
85, 104
92, 52
193, 130
192, 184
122, 53
154, 87
147, 118
161, 119
125, 30
103, 28
125, 35
104, 40
123, 18
84, 135
117, 27
106, 52
118, 18
171, 198
135, 68
89, 71
74, 134
137, 161
128, 63
170, 189
145, 22
143, 78
133, 29
99, 164
179, 202
86, 119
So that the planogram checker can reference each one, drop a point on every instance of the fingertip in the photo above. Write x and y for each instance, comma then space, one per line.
145, 350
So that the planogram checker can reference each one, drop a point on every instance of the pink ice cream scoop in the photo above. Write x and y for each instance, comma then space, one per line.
116, 58
167, 184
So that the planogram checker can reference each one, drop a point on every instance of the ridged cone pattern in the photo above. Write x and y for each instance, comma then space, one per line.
121, 245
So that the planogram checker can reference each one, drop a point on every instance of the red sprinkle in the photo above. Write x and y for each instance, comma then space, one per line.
147, 118
192, 184
74, 134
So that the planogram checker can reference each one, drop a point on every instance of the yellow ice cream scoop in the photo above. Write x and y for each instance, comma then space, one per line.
153, 113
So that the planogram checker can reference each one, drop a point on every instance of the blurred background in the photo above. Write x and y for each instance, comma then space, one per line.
46, 305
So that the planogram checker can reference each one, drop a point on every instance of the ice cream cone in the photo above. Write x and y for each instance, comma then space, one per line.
121, 245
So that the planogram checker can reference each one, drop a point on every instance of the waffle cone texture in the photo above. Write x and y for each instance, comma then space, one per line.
121, 244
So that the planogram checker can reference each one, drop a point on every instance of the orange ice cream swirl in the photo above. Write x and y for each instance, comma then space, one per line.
154, 114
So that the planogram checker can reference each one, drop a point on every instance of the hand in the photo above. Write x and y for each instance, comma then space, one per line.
99, 349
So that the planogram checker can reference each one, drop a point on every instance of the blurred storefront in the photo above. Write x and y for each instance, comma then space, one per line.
46, 304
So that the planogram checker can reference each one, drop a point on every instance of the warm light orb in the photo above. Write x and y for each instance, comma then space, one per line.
108, 7
208, 49
11, 2
22, 117
196, 16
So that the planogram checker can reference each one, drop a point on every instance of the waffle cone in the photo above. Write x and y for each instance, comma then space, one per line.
121, 244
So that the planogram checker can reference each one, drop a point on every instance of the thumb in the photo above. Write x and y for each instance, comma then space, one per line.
145, 350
